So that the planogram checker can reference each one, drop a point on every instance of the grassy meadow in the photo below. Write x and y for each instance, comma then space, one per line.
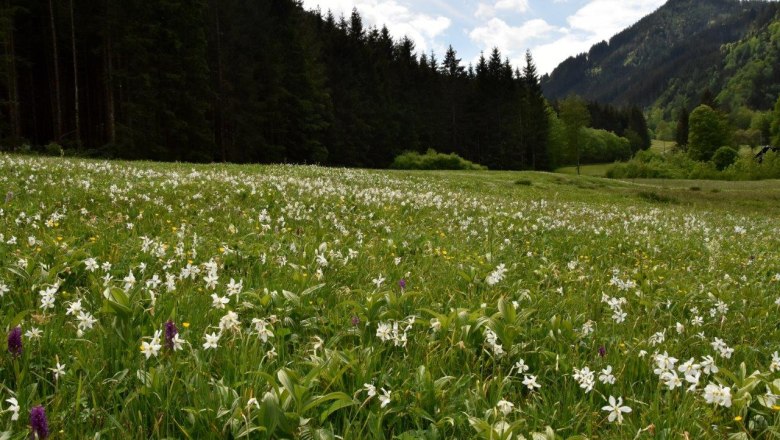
171, 301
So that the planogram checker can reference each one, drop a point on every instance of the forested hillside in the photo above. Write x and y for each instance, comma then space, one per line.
252, 81
672, 56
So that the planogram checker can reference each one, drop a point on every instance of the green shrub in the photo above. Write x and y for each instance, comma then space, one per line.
431, 160
724, 157
601, 146
651, 165
53, 149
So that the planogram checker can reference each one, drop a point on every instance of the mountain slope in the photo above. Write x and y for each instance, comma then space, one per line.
674, 54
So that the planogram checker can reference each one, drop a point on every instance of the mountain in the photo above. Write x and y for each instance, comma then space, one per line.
673, 56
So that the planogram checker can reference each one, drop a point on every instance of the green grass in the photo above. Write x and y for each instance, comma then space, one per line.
299, 272
596, 170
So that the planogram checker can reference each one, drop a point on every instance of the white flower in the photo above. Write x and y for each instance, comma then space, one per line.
530, 381
58, 371
211, 280
229, 321
587, 328
219, 302
129, 281
708, 365
520, 367
211, 340
497, 275
691, 370
671, 379
178, 343
3, 289
153, 347
585, 378
384, 331
14, 408
718, 394
616, 409
378, 281
91, 264
664, 362
384, 398
262, 329
234, 288
505, 407
775, 365
500, 427
86, 321
370, 389
74, 308
33, 333
606, 376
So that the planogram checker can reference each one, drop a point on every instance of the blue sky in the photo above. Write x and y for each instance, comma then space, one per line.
552, 29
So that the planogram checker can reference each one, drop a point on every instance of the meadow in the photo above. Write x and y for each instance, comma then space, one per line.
145, 300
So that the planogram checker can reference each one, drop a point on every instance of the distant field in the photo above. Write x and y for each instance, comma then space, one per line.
596, 170
147, 300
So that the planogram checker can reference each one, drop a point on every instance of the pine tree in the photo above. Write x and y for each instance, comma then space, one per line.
534, 120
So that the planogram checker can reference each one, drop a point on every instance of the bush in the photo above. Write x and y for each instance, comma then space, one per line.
724, 157
431, 160
53, 149
601, 146
679, 166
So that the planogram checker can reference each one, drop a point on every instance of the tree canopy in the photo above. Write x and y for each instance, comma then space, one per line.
261, 81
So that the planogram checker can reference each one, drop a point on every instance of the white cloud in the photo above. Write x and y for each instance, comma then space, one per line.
487, 10
400, 20
604, 18
547, 56
512, 5
510, 40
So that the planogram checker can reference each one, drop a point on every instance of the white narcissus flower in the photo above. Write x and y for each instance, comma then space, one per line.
606, 376
219, 302
370, 389
530, 381
178, 343
91, 264
505, 407
718, 394
616, 409
384, 398
496, 276
14, 408
775, 365
211, 340
58, 370
152, 348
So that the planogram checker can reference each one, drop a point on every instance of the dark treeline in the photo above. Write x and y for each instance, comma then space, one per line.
628, 122
253, 81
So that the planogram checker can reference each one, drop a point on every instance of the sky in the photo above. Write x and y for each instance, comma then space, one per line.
552, 30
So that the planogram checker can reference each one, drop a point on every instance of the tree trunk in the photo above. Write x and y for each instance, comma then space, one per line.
109, 82
219, 123
56, 99
13, 88
75, 77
